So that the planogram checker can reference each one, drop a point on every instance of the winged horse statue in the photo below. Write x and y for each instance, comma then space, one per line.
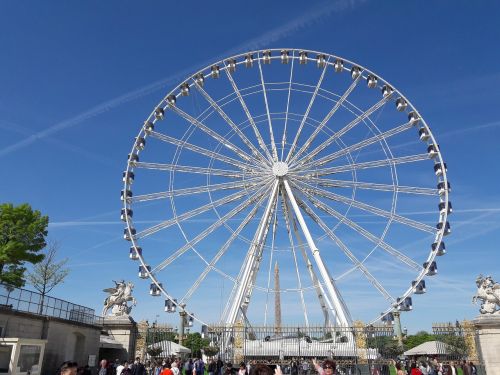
118, 298
488, 291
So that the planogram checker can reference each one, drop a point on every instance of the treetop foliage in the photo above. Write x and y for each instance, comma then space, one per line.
22, 236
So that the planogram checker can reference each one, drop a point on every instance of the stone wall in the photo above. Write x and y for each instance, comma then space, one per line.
66, 340
122, 330
488, 327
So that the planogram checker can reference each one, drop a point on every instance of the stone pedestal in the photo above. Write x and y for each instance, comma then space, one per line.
488, 327
123, 331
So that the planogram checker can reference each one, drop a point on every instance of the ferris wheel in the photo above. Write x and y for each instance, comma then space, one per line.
293, 165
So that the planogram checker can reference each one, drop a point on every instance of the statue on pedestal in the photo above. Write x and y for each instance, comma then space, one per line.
488, 291
118, 298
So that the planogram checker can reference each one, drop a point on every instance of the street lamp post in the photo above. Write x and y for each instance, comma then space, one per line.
182, 324
397, 328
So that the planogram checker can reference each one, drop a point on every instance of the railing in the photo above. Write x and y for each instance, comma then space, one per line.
348, 346
457, 341
158, 341
32, 302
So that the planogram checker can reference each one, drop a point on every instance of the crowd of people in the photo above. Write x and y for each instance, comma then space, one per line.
193, 366
196, 366
434, 367
425, 367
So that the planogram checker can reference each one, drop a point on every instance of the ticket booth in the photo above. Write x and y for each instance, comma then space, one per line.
20, 356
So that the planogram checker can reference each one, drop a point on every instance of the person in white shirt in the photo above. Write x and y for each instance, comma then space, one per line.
120, 368
243, 369
174, 368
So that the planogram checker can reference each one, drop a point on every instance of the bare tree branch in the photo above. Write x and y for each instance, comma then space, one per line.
49, 273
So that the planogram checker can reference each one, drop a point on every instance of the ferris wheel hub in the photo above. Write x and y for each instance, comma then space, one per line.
280, 168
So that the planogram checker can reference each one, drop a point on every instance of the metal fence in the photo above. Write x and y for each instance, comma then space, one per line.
456, 342
359, 349
32, 302
158, 341
297, 346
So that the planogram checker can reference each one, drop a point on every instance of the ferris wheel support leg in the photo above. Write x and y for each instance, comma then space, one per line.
320, 292
340, 310
236, 303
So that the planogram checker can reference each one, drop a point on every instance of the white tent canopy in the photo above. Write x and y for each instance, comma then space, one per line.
429, 348
291, 348
170, 348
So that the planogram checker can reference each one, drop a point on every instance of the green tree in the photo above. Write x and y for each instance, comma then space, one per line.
387, 346
22, 236
456, 344
155, 351
419, 338
195, 343
211, 350
47, 274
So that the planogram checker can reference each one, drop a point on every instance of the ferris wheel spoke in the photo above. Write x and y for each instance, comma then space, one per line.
231, 123
306, 114
370, 186
284, 139
223, 249
243, 287
337, 306
368, 208
224, 141
327, 118
271, 133
286, 214
318, 288
201, 150
190, 214
260, 140
320, 292
377, 138
258, 260
359, 265
246, 184
344, 130
271, 256
210, 229
358, 166
365, 233
192, 169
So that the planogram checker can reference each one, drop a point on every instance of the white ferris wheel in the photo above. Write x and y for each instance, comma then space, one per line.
290, 157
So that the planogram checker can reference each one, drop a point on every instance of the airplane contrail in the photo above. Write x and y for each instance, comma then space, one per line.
315, 15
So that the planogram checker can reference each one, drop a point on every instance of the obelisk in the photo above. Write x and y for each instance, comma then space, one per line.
277, 300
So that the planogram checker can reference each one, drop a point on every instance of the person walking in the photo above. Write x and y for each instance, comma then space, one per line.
126, 369
68, 368
137, 368
327, 368
120, 367
414, 370
174, 367
466, 368
473, 369
199, 367
103, 368
243, 369
220, 365
212, 367
188, 367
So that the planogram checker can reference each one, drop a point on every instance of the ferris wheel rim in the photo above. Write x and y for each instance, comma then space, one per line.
443, 177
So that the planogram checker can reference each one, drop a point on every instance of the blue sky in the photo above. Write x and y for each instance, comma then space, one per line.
79, 78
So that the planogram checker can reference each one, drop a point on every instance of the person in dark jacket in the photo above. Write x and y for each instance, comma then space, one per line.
68, 368
138, 368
